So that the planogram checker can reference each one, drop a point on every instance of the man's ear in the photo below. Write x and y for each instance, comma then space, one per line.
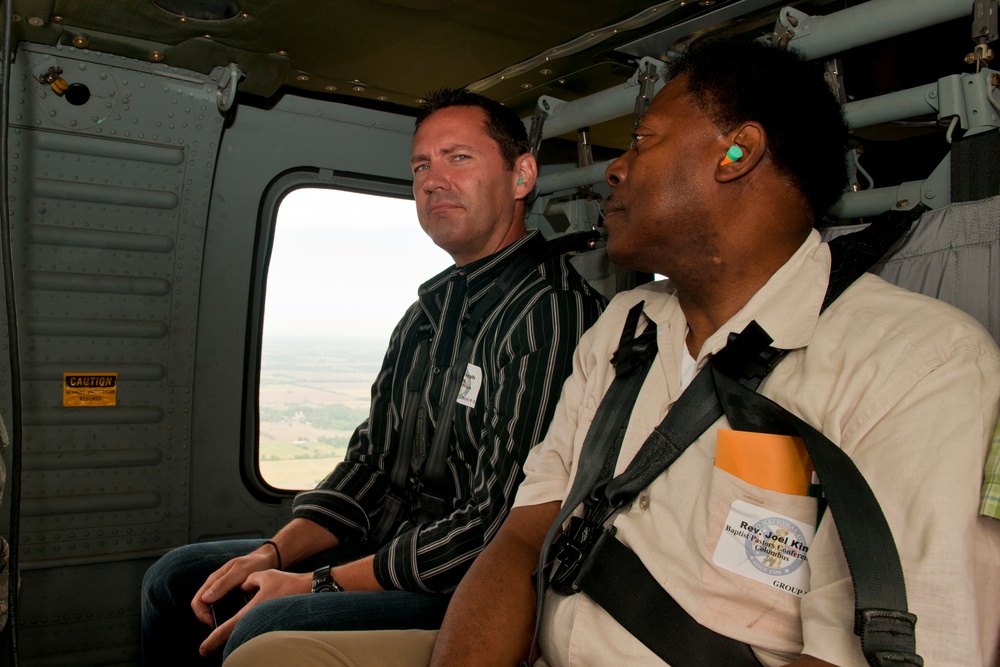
748, 143
525, 173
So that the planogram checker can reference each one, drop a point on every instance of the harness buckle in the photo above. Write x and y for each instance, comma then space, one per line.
568, 554
430, 507
887, 637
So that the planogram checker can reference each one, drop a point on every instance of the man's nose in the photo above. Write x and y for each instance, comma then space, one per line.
615, 173
435, 178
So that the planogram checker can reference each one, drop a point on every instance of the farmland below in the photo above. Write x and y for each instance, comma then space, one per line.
313, 395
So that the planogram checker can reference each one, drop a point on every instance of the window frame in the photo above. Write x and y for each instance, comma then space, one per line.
267, 216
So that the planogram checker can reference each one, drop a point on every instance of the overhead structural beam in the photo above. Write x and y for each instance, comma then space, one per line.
967, 98
562, 117
815, 36
902, 104
869, 22
935, 192
573, 178
659, 43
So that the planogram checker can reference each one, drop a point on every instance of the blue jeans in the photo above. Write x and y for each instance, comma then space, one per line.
171, 634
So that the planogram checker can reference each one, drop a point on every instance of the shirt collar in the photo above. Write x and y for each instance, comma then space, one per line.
788, 305
481, 274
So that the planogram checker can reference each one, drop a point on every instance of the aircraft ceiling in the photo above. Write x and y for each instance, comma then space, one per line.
389, 53
392, 51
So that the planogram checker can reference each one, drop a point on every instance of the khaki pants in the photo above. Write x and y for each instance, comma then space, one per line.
373, 648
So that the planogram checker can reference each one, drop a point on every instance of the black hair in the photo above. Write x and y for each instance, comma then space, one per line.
739, 80
501, 124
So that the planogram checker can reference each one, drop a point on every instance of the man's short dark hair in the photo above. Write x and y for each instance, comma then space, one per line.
739, 80
501, 124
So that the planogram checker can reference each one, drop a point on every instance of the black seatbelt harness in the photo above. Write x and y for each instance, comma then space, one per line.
587, 557
418, 484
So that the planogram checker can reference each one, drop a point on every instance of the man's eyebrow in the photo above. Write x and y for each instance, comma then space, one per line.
448, 150
459, 148
642, 125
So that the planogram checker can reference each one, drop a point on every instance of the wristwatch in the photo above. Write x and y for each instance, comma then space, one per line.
323, 581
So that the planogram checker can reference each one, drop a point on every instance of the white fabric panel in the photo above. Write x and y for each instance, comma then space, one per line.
952, 253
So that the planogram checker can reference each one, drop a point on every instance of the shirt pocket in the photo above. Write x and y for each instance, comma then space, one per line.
761, 536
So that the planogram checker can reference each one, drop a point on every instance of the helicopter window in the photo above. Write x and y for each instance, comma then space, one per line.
343, 268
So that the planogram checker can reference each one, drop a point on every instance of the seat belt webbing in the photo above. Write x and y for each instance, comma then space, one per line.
613, 568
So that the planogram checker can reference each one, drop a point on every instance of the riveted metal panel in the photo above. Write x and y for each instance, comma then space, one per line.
109, 202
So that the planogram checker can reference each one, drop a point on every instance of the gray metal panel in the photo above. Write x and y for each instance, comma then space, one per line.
109, 206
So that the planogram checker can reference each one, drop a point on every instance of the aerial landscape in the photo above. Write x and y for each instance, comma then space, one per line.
313, 394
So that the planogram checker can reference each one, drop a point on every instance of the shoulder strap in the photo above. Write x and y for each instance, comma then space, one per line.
412, 455
434, 487
411, 440
881, 618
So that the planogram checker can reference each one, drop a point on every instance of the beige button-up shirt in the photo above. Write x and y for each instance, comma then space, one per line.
908, 386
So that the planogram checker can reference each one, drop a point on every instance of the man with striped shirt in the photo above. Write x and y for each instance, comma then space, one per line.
472, 171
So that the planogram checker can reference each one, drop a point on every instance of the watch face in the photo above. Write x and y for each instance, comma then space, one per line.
322, 581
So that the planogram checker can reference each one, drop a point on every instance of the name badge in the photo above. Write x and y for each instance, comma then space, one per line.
471, 383
765, 546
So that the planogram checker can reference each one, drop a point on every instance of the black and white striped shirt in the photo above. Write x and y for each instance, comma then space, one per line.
525, 350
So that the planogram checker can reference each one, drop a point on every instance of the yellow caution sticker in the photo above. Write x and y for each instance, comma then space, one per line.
90, 389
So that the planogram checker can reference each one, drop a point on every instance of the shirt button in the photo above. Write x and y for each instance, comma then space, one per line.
437, 370
644, 503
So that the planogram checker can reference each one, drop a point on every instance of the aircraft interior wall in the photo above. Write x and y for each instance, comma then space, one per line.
128, 260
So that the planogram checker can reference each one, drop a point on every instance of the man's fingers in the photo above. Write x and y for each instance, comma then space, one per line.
203, 613
201, 610
209, 593
219, 636
222, 586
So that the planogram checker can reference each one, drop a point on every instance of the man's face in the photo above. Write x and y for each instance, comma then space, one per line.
463, 189
656, 217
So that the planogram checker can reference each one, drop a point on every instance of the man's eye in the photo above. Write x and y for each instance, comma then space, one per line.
419, 167
636, 138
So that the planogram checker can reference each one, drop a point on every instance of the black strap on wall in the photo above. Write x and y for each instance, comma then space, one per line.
418, 481
695, 411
